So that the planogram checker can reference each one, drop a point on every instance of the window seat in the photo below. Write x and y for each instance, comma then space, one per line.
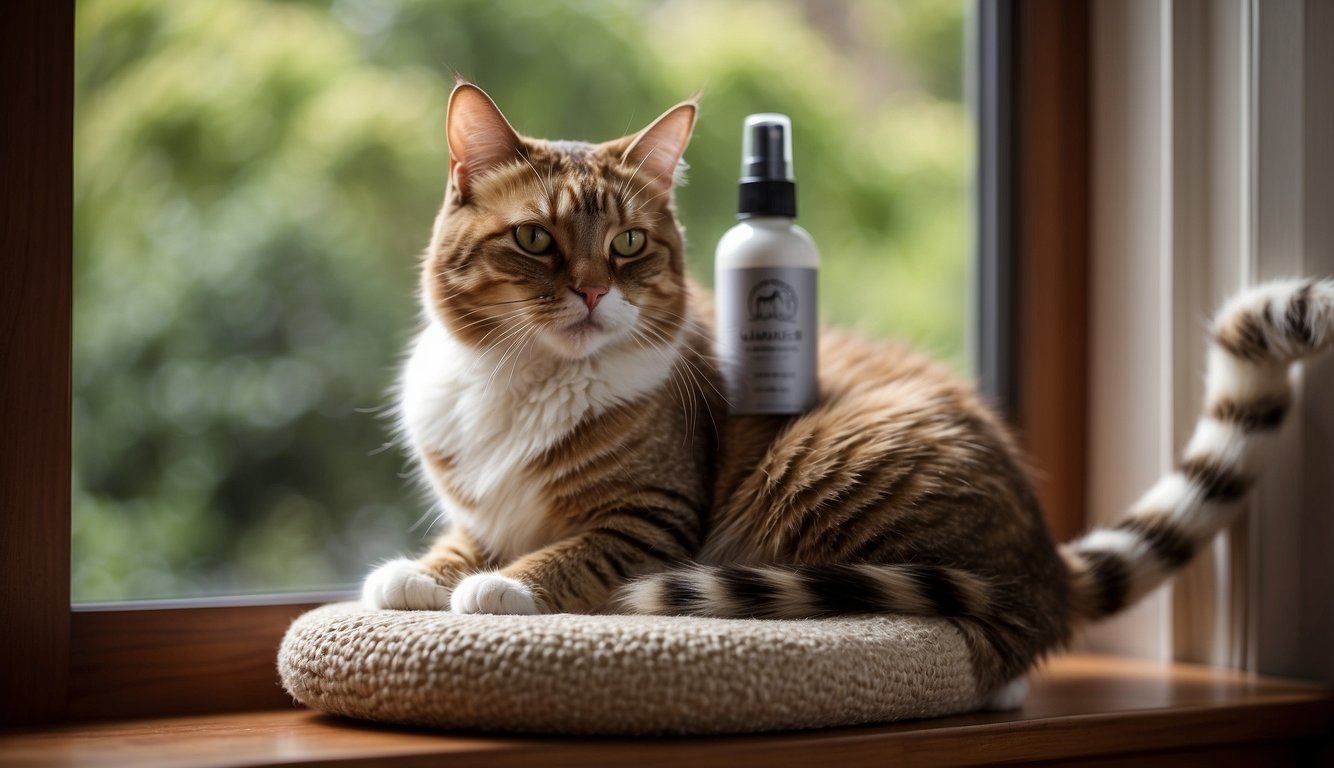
1083, 709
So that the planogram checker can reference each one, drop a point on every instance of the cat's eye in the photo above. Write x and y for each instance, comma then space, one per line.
533, 239
628, 243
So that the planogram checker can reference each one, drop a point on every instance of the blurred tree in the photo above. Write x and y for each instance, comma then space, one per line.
253, 179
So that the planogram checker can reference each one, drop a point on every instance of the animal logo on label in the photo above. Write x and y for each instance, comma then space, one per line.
772, 300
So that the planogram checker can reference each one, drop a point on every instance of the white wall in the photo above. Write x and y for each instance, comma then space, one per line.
1213, 168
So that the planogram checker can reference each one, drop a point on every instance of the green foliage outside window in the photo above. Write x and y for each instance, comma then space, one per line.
254, 181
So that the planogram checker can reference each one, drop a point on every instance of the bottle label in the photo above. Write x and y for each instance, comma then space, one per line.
767, 338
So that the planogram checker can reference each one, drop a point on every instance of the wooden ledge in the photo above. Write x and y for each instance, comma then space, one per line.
1082, 709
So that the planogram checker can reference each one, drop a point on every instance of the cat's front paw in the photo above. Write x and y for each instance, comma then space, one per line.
493, 593
403, 585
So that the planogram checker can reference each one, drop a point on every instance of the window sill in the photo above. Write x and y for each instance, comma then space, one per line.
1082, 709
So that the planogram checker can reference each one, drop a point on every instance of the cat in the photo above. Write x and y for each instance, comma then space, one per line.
564, 404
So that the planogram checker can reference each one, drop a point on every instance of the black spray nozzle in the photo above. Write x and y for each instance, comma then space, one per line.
766, 148
766, 167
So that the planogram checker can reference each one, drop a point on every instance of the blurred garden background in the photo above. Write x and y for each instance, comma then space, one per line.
254, 181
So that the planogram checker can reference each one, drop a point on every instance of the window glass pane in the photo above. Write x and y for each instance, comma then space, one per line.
254, 181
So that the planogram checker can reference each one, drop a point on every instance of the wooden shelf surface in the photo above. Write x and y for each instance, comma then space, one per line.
1081, 708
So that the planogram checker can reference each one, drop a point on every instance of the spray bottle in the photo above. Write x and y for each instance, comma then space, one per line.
765, 282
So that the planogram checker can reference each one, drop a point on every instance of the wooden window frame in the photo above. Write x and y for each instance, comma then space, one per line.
36, 86
1051, 229
208, 657
1030, 96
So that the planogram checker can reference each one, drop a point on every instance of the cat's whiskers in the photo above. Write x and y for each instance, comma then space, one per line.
491, 318
470, 311
504, 303
501, 326
485, 355
677, 375
695, 386
530, 330
692, 387
639, 209
697, 376
620, 193
435, 510
700, 374
529, 340
681, 394
445, 270
654, 180
468, 292
700, 380
499, 343
692, 323
509, 331
545, 182
473, 310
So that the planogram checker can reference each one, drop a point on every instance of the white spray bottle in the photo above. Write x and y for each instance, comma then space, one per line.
765, 283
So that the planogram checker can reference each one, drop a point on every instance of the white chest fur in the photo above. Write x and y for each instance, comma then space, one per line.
491, 416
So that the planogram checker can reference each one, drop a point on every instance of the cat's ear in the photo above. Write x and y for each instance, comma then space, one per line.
656, 151
480, 138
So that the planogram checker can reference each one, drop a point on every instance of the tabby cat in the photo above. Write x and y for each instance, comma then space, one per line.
563, 402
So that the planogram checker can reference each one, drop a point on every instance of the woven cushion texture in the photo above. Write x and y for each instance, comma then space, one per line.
622, 675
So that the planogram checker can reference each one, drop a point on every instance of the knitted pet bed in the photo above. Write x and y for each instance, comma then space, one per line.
621, 675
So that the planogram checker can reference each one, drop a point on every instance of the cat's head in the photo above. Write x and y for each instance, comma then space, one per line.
561, 247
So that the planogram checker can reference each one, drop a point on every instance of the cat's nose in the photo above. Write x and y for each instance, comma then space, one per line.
592, 294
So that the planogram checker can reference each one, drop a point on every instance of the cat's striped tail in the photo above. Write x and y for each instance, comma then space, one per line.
1255, 339
807, 591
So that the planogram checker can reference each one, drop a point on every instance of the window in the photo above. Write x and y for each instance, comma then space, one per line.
135, 660
253, 181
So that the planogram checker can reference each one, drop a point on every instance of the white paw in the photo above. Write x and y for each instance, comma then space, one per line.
401, 584
493, 593
1008, 696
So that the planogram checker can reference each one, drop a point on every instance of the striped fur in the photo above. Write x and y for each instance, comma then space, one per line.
807, 591
1255, 339
565, 409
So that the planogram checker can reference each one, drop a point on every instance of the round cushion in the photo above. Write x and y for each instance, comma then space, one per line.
576, 674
